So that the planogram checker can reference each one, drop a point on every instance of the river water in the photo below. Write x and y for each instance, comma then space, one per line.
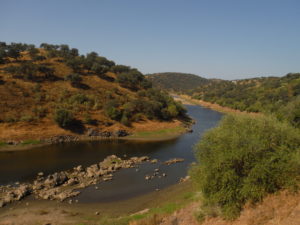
23, 166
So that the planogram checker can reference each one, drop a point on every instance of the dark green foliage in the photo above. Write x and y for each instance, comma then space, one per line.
111, 110
133, 80
3, 55
154, 104
88, 119
179, 82
244, 159
14, 50
33, 51
291, 112
254, 95
75, 78
124, 120
79, 98
97, 64
120, 69
32, 72
74, 52
75, 63
63, 118
47, 71
98, 68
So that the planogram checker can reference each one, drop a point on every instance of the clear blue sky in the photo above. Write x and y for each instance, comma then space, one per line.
214, 38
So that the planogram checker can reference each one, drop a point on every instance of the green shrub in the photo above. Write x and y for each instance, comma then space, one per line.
124, 120
27, 118
111, 110
245, 158
291, 112
87, 118
75, 78
78, 98
63, 118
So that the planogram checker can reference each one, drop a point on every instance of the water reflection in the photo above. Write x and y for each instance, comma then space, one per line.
24, 165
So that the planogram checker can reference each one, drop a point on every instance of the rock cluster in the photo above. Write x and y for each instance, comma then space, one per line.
65, 184
155, 174
62, 185
172, 161
61, 139
91, 132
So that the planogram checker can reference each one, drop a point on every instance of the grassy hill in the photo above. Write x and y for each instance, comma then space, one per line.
53, 89
178, 82
278, 95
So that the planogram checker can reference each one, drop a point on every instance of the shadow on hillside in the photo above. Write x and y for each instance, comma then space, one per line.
81, 86
76, 127
105, 77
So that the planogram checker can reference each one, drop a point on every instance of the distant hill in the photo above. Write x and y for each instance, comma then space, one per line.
279, 95
255, 95
178, 82
54, 89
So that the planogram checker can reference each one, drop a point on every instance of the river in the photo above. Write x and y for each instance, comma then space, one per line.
23, 166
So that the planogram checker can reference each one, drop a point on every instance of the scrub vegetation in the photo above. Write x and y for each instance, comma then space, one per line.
55, 84
244, 159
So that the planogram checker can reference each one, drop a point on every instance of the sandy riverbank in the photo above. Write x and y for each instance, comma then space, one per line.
216, 107
42, 212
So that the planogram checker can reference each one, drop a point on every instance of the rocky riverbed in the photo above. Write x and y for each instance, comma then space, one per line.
66, 184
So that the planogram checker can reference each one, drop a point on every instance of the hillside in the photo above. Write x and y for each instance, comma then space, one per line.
277, 95
53, 90
178, 82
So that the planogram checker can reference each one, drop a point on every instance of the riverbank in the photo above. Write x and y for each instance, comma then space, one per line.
66, 184
127, 184
162, 202
156, 131
214, 106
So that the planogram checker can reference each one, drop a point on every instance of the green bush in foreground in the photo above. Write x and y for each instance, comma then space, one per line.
242, 160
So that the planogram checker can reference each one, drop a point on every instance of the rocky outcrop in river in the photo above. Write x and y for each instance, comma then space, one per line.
62, 185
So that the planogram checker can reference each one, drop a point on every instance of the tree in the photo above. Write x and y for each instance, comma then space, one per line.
2, 56
98, 68
124, 120
75, 63
63, 118
120, 69
47, 71
64, 51
2, 44
90, 60
74, 52
13, 52
33, 51
111, 110
131, 79
75, 78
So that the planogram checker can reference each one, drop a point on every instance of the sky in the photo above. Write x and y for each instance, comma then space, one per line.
228, 39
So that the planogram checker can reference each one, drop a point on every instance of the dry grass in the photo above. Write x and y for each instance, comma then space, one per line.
20, 100
278, 209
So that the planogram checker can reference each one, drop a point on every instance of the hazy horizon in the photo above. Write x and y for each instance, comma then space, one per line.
213, 39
